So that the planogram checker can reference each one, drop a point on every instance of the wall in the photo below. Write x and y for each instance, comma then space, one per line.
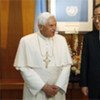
16, 20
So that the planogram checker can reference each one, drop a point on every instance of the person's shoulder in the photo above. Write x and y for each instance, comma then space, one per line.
59, 36
29, 36
88, 33
91, 33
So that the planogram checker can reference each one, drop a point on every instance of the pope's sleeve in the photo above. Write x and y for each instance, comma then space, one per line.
20, 59
31, 78
63, 78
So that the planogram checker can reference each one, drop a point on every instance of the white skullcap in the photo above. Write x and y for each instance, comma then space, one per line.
43, 18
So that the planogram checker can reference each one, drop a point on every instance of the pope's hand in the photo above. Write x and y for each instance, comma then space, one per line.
50, 90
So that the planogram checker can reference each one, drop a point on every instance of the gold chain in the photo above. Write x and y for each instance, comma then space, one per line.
46, 55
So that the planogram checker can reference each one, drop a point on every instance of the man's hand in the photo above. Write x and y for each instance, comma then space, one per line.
50, 90
85, 90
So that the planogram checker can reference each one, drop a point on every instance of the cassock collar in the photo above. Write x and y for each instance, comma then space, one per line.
43, 37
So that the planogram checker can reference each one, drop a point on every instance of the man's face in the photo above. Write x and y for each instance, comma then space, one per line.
96, 18
49, 29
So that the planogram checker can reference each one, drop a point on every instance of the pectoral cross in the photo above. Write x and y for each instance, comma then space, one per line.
46, 60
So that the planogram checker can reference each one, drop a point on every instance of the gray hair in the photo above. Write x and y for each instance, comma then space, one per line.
43, 18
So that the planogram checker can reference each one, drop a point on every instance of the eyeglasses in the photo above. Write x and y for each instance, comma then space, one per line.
96, 17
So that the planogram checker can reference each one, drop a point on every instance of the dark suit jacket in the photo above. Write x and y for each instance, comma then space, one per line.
90, 60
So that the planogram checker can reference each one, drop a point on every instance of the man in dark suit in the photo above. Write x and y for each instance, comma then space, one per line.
90, 61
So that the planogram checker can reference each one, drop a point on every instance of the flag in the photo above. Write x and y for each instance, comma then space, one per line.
39, 8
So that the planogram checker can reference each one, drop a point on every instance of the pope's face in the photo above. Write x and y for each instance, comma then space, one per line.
48, 30
96, 18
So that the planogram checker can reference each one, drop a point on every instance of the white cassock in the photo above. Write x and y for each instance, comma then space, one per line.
43, 60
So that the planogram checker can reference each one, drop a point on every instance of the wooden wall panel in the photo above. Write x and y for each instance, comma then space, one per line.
28, 16
4, 22
17, 19
11, 94
0, 34
13, 26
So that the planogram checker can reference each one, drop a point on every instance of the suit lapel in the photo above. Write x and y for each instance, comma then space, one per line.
96, 38
96, 43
